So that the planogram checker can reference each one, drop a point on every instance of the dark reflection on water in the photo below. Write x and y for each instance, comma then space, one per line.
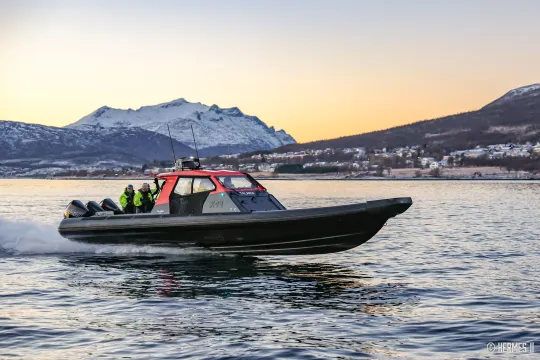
456, 271
239, 306
331, 286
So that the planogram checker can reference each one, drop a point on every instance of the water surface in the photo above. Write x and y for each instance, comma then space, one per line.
457, 270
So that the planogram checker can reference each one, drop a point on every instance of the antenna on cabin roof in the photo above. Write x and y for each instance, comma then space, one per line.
195, 142
172, 147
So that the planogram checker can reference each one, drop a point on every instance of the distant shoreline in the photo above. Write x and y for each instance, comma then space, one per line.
403, 179
304, 178
408, 174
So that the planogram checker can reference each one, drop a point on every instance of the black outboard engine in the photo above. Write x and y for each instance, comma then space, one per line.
109, 205
94, 208
76, 209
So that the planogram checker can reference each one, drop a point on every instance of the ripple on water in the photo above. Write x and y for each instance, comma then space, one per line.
454, 272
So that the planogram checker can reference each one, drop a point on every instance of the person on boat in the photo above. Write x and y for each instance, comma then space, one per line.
228, 183
144, 199
126, 200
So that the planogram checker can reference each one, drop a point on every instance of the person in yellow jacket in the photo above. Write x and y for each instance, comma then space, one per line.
144, 198
126, 200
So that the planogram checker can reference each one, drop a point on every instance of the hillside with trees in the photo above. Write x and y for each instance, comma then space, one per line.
515, 117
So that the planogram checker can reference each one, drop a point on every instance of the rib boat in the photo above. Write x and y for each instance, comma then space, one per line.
228, 212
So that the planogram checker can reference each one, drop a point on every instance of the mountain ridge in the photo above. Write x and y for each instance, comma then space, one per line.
216, 129
131, 146
515, 116
522, 92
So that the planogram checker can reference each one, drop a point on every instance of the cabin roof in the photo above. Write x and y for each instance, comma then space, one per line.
201, 173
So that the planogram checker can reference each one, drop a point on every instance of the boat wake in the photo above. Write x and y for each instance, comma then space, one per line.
32, 238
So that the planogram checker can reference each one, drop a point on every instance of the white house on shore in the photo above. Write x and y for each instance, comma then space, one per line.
427, 161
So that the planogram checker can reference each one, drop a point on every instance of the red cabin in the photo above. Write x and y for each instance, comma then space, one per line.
196, 191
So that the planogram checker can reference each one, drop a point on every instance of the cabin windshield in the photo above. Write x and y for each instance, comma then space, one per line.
237, 182
191, 185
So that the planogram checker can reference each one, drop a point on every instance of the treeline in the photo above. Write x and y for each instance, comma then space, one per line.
299, 169
336, 155
158, 164
85, 173
459, 131
508, 163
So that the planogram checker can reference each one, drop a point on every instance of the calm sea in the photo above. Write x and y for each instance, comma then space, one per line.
458, 270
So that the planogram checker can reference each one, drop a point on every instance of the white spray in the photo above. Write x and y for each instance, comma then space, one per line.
24, 237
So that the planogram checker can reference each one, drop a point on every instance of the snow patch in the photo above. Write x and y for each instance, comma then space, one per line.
447, 133
522, 90
515, 94
521, 129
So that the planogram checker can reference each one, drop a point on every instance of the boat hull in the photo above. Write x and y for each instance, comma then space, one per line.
281, 232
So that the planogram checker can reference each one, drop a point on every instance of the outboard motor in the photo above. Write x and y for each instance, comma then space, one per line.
93, 208
109, 205
76, 209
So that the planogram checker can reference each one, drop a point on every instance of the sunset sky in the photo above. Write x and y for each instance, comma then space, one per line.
318, 69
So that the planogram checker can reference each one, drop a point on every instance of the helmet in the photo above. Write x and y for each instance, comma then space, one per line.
130, 186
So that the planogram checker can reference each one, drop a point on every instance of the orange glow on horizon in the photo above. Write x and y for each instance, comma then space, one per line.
318, 72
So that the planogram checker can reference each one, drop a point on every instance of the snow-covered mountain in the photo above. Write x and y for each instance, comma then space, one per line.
216, 130
521, 94
46, 144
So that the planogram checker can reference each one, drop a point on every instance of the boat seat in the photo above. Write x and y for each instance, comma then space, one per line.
188, 204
